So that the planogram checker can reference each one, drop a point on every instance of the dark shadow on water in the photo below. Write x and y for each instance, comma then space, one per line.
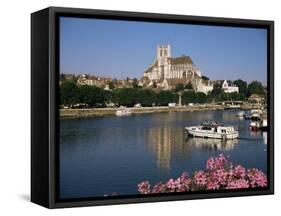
25, 197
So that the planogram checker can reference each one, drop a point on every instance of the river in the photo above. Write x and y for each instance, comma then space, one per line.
103, 155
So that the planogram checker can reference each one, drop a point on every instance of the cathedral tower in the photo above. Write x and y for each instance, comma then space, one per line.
163, 51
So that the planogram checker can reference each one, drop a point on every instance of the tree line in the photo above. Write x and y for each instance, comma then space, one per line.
71, 93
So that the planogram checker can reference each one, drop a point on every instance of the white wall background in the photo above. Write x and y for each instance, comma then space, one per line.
15, 106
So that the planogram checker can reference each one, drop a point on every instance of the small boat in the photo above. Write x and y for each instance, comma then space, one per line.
232, 106
212, 129
123, 112
256, 111
241, 114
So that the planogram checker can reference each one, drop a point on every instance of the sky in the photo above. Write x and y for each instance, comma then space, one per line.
121, 49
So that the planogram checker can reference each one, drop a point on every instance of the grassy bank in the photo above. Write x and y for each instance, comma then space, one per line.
83, 113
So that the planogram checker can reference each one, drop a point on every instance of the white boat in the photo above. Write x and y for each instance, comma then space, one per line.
232, 106
212, 130
123, 112
256, 111
241, 114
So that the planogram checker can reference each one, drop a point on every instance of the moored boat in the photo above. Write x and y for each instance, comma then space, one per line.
241, 114
212, 130
123, 112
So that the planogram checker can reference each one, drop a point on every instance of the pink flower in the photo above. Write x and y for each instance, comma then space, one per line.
219, 162
144, 187
213, 185
200, 178
239, 171
238, 184
219, 174
256, 178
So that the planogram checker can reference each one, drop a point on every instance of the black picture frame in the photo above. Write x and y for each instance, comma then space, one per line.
45, 103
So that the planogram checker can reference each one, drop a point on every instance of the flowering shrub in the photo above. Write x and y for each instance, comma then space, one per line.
219, 174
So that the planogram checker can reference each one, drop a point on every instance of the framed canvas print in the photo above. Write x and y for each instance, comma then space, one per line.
139, 107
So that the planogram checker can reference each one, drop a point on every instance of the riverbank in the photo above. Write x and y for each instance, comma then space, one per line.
84, 113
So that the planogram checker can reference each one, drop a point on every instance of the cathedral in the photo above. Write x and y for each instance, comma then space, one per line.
166, 72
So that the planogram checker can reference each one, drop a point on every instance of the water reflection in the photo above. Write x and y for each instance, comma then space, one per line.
264, 135
164, 143
212, 144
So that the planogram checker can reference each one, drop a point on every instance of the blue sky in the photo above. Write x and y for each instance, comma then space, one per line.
121, 49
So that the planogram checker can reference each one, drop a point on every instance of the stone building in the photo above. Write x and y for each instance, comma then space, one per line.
166, 71
206, 86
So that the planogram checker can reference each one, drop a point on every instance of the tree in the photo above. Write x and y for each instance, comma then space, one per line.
179, 87
111, 85
217, 90
165, 97
62, 77
201, 97
188, 86
135, 83
154, 85
92, 95
255, 87
125, 96
69, 93
188, 97
146, 97
242, 85
205, 78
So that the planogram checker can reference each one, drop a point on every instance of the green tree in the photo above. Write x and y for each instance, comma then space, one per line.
69, 93
135, 83
62, 77
201, 97
217, 90
188, 86
146, 97
189, 97
111, 85
205, 78
92, 95
165, 97
242, 85
255, 87
125, 96
179, 87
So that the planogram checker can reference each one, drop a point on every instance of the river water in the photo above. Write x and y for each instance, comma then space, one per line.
103, 155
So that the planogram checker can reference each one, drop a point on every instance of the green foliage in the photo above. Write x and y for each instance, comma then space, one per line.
111, 85
163, 98
135, 83
179, 87
92, 95
188, 86
192, 97
255, 87
242, 85
125, 96
217, 90
69, 93
205, 78
146, 97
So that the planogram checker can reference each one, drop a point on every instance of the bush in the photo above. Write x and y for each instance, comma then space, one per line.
219, 174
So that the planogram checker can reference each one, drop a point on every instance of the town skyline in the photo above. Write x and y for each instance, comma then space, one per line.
87, 56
